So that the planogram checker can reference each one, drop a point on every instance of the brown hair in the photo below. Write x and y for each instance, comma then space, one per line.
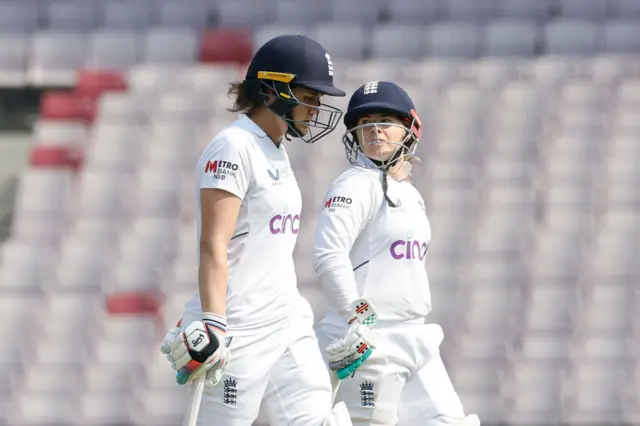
242, 102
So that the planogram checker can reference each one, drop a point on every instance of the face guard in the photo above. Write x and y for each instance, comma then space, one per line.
272, 84
403, 149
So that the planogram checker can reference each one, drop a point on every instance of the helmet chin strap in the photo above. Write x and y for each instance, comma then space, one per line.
385, 174
406, 169
385, 187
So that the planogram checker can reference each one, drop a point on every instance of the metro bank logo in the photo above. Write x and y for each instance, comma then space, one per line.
337, 202
221, 170
213, 166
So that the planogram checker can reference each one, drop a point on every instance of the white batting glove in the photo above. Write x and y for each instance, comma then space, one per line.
346, 355
199, 350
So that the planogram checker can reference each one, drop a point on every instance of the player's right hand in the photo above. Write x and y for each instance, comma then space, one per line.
199, 349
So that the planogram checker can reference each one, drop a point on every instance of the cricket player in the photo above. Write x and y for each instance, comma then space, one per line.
248, 219
371, 243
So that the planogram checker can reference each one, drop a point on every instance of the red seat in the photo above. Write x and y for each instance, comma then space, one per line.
93, 82
67, 106
134, 303
56, 156
226, 46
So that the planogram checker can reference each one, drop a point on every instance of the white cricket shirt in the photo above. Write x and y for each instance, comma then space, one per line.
365, 248
262, 285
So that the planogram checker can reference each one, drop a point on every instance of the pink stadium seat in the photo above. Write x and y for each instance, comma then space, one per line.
133, 303
52, 156
226, 46
66, 105
92, 83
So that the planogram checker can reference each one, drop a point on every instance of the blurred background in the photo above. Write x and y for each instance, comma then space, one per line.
529, 171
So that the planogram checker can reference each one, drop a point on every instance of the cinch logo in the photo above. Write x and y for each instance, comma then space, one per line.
337, 202
410, 249
279, 224
215, 165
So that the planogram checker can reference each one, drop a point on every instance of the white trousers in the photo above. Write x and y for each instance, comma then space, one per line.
403, 383
281, 366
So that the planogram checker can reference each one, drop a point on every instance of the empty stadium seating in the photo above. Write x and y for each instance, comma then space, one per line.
46, 44
529, 170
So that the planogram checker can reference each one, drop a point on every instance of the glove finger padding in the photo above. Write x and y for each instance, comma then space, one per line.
347, 354
169, 339
357, 337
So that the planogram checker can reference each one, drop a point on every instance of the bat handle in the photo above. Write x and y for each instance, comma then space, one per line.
192, 419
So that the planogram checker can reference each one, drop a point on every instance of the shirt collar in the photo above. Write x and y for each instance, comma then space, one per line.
246, 123
364, 161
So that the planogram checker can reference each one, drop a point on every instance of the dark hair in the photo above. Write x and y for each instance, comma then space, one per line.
242, 103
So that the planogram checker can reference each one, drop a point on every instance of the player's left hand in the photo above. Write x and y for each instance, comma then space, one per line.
346, 355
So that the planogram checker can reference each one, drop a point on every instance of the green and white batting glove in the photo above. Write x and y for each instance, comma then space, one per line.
346, 355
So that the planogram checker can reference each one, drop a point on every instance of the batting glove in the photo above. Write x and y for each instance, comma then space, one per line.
346, 355
199, 349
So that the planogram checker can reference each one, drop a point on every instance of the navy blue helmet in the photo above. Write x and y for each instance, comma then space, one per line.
381, 97
289, 61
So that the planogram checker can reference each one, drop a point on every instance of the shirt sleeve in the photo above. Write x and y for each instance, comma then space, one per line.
349, 205
225, 165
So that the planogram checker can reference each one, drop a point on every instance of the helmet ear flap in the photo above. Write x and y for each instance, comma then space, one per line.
261, 90
279, 98
253, 89
284, 98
